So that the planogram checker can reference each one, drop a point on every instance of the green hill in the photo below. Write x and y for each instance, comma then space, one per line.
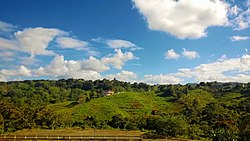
125, 104
104, 108
212, 111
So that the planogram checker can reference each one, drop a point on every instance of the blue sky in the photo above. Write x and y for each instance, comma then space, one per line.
154, 41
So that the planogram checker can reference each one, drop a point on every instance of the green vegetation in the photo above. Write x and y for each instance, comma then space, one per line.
205, 111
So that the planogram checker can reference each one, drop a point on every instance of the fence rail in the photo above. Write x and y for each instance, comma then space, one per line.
66, 137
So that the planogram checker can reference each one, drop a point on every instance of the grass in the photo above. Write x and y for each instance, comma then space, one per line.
126, 104
85, 132
77, 132
104, 108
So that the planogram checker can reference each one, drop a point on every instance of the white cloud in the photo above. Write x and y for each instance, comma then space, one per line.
239, 38
226, 70
118, 59
28, 60
223, 57
7, 56
235, 10
162, 79
118, 44
127, 76
190, 54
220, 70
6, 44
60, 68
171, 54
71, 43
36, 40
183, 18
33, 41
94, 64
67, 42
90, 51
223, 70
6, 27
56, 68
2, 78
20, 71
242, 21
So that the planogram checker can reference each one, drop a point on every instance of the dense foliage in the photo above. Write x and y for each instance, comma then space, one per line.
212, 111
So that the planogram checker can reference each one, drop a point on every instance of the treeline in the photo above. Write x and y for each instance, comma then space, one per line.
215, 111
43, 92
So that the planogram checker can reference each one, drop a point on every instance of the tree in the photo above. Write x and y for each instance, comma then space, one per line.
47, 119
1, 124
11, 115
117, 122
172, 126
244, 126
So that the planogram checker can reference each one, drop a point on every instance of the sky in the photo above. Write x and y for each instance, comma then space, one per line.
150, 41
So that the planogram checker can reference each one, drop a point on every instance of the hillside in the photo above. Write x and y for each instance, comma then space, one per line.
125, 104
130, 104
216, 111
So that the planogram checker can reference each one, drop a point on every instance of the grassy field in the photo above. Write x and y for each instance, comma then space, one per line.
86, 132
104, 108
77, 132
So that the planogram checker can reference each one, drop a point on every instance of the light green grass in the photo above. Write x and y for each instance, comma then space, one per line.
126, 104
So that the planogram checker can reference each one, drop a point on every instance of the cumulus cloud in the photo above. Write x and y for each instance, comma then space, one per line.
183, 18
35, 40
6, 27
118, 59
127, 76
87, 69
239, 38
20, 71
94, 64
216, 71
222, 70
162, 79
60, 68
67, 42
190, 54
171, 54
